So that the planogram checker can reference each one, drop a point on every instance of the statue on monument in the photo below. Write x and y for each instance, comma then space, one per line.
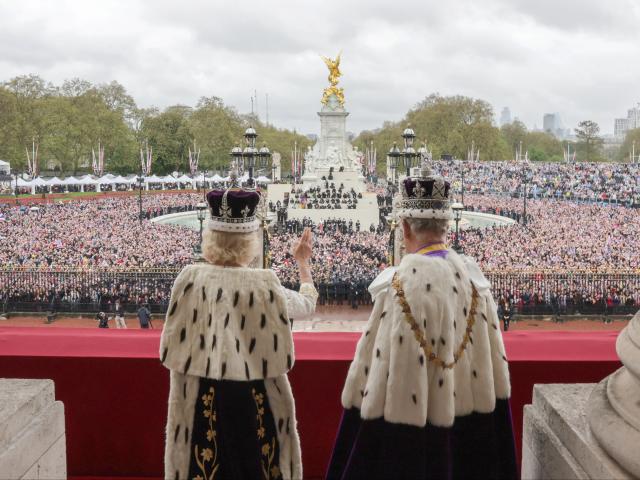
334, 75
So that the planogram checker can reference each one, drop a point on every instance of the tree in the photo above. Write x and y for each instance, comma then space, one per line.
589, 144
513, 133
631, 144
543, 147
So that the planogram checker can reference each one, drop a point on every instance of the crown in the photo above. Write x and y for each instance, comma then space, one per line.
424, 196
234, 209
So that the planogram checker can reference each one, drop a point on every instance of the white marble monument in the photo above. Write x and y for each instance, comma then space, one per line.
332, 155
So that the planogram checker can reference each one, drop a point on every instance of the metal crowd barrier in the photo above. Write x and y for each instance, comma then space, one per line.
91, 291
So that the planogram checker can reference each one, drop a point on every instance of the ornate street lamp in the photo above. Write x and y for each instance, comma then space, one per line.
248, 157
392, 159
409, 154
140, 180
201, 207
264, 155
457, 208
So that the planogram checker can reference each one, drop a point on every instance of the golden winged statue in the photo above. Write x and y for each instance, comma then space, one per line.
334, 69
334, 75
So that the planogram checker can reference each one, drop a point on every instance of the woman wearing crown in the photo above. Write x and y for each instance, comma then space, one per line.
427, 395
227, 342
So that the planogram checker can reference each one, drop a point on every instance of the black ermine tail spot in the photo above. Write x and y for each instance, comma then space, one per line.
184, 390
210, 318
206, 372
173, 308
204, 294
242, 321
263, 320
283, 319
289, 361
252, 345
213, 344
183, 334
195, 316
226, 321
414, 398
280, 424
246, 370
224, 369
264, 368
166, 350
428, 287
187, 287
275, 342
236, 297
237, 345
383, 314
219, 296
271, 296
201, 342
251, 299
175, 435
187, 364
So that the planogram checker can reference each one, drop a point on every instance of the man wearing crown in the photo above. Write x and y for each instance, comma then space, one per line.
228, 345
427, 394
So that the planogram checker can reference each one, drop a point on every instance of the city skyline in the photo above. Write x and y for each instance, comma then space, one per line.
572, 58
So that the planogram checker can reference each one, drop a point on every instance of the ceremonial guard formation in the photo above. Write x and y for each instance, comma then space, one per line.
227, 341
427, 395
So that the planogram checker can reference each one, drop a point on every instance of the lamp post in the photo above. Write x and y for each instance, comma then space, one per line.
273, 172
526, 178
409, 154
248, 156
392, 159
462, 184
16, 192
202, 212
457, 208
140, 180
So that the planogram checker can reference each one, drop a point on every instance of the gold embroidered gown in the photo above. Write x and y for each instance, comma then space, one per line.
227, 341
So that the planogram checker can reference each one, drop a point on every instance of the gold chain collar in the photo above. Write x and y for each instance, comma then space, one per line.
419, 334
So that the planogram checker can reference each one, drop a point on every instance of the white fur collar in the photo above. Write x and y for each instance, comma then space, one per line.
227, 324
390, 376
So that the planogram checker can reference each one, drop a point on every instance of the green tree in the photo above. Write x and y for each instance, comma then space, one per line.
589, 145
543, 147
630, 145
168, 134
513, 133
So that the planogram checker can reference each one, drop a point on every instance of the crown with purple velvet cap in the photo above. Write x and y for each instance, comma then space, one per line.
424, 196
234, 210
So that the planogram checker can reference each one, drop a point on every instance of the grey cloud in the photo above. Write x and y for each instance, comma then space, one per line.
577, 58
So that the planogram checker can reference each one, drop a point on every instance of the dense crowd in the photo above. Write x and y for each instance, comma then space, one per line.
614, 182
555, 261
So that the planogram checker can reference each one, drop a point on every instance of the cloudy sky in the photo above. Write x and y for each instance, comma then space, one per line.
576, 57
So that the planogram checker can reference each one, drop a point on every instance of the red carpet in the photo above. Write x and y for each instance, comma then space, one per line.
115, 390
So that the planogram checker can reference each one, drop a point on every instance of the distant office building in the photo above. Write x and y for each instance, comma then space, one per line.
622, 125
505, 116
552, 124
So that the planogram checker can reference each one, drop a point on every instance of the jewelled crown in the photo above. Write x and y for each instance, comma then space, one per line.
424, 196
234, 209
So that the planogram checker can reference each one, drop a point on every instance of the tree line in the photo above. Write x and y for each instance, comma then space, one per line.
68, 120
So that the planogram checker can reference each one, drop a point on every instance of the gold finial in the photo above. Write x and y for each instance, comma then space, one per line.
334, 75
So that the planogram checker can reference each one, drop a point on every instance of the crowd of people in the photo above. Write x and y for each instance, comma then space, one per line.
593, 182
590, 240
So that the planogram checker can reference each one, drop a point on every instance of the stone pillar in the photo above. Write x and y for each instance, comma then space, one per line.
614, 405
591, 431
32, 435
